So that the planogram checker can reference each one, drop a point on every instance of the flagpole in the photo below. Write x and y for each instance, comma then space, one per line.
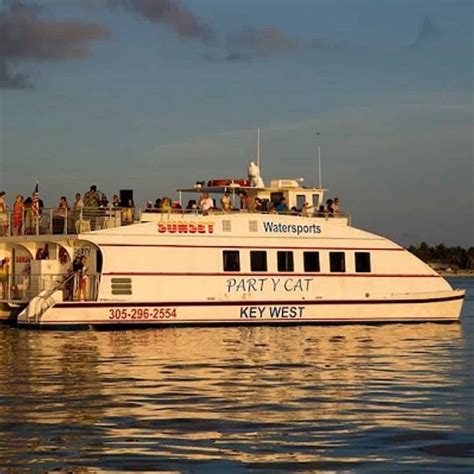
319, 160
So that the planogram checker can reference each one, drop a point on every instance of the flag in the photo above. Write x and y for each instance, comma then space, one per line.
35, 200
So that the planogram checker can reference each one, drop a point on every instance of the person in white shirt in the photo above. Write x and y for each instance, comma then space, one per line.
205, 203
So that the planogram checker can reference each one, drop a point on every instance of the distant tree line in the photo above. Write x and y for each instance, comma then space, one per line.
456, 257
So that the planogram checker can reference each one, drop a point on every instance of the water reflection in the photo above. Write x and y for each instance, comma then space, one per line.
261, 398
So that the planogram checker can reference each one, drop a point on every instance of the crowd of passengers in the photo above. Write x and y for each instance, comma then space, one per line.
25, 212
25, 215
205, 205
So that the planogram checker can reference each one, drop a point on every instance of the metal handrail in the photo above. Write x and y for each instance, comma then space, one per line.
66, 221
23, 287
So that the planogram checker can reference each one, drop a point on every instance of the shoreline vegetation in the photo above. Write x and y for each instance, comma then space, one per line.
447, 261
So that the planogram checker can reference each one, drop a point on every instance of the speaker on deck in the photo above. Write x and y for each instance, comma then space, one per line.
126, 198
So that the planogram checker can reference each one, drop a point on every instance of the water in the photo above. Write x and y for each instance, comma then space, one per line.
348, 398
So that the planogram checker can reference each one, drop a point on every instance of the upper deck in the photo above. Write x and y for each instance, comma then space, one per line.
54, 222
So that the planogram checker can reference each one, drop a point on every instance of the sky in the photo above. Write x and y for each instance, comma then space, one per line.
154, 95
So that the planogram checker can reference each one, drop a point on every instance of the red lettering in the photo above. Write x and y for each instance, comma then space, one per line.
201, 228
192, 228
161, 228
210, 228
172, 228
182, 228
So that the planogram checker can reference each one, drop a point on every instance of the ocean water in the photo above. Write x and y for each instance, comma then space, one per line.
389, 398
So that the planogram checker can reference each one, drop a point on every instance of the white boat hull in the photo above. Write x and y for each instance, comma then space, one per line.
434, 307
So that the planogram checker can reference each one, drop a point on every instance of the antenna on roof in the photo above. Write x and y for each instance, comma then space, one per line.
319, 160
258, 147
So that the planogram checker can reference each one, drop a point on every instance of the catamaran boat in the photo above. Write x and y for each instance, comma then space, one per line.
217, 266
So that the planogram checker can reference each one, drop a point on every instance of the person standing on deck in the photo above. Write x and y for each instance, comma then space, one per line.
18, 210
3, 213
4, 275
91, 204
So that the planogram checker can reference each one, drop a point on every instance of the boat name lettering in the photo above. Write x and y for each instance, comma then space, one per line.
141, 313
272, 312
275, 227
186, 227
255, 285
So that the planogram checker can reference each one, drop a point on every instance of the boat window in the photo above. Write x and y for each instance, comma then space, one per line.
231, 260
362, 262
316, 201
226, 226
337, 261
258, 261
285, 261
300, 200
311, 262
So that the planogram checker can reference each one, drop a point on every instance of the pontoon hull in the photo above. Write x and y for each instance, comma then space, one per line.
436, 307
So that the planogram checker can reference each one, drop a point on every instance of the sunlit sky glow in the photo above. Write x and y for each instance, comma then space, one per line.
157, 94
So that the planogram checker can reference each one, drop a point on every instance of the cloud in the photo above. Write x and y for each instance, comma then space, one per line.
171, 13
428, 32
262, 41
25, 35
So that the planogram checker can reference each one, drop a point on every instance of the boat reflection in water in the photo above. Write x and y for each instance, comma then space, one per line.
265, 397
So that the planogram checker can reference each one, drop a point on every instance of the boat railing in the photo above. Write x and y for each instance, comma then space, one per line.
77, 221
67, 221
21, 288
147, 213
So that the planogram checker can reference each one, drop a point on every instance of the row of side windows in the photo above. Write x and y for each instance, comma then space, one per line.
285, 261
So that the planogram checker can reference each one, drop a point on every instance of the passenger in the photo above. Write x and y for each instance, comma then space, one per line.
321, 211
308, 210
226, 202
39, 254
115, 201
92, 198
282, 206
18, 210
329, 207
205, 203
192, 205
83, 279
62, 207
3, 213
91, 205
259, 206
29, 217
295, 211
243, 199
166, 205
157, 204
4, 275
78, 203
335, 205
77, 267
104, 202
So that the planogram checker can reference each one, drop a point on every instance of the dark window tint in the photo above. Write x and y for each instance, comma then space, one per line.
285, 261
231, 260
258, 261
362, 262
337, 261
311, 261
